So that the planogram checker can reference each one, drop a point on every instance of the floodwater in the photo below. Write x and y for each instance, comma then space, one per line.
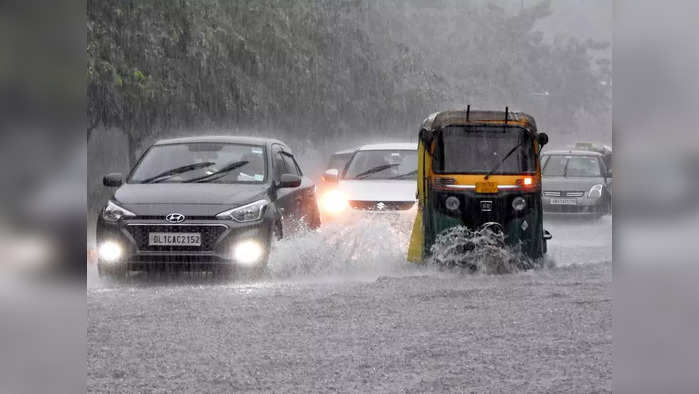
341, 310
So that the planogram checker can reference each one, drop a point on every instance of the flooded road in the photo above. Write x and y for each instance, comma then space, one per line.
342, 310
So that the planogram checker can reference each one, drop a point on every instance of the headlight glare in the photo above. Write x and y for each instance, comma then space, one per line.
113, 212
333, 202
246, 213
519, 203
110, 251
248, 252
595, 192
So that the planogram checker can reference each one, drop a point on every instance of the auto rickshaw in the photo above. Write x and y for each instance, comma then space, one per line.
479, 169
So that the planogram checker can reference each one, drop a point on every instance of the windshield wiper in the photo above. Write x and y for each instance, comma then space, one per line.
218, 174
175, 171
503, 159
374, 170
403, 175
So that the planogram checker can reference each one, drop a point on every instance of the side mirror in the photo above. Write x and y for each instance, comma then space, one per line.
112, 180
289, 180
542, 139
331, 175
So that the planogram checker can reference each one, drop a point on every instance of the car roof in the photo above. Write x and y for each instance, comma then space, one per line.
390, 146
220, 139
344, 152
573, 152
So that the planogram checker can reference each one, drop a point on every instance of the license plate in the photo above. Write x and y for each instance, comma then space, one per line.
564, 201
174, 239
486, 187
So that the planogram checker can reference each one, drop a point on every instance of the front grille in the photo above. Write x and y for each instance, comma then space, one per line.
382, 205
564, 193
161, 217
209, 236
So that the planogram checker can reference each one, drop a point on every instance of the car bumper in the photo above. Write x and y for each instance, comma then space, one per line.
354, 212
218, 240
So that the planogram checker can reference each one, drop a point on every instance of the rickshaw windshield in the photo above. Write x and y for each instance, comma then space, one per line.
479, 149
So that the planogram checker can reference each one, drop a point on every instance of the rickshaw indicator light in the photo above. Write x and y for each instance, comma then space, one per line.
528, 181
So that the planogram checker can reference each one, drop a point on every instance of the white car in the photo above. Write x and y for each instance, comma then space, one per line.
378, 178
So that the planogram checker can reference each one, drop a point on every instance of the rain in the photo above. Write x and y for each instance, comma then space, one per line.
338, 306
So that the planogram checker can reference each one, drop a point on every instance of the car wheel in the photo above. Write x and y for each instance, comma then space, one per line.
277, 231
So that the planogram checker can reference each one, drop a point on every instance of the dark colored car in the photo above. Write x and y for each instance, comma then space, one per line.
204, 203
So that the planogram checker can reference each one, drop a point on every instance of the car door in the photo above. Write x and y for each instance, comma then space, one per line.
285, 197
306, 206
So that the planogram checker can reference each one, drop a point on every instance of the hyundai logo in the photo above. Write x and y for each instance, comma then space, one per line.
175, 218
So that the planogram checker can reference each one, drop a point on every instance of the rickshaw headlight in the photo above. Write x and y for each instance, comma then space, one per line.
452, 203
519, 203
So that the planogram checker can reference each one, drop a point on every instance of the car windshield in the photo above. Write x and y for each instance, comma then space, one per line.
571, 166
202, 162
383, 164
481, 149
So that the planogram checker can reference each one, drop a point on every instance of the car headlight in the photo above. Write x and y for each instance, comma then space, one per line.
519, 203
333, 202
248, 252
246, 213
595, 192
110, 251
113, 212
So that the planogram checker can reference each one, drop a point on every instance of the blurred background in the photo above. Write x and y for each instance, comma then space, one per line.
42, 195
656, 94
86, 86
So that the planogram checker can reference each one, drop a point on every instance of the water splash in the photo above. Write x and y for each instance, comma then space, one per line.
362, 244
481, 251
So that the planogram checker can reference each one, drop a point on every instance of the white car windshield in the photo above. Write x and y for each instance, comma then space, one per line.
383, 164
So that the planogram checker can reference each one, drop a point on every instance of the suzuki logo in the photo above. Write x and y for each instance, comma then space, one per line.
175, 218
380, 206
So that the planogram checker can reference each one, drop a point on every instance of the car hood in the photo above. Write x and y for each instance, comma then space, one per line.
559, 183
378, 190
188, 193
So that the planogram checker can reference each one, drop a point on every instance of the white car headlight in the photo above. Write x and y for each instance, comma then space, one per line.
333, 202
246, 213
113, 212
595, 192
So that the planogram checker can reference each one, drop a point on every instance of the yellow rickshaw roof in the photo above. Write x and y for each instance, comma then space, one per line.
465, 118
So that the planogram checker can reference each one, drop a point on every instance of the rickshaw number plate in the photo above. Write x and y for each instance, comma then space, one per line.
486, 187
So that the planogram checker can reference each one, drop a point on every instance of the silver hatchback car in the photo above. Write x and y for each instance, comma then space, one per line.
576, 182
